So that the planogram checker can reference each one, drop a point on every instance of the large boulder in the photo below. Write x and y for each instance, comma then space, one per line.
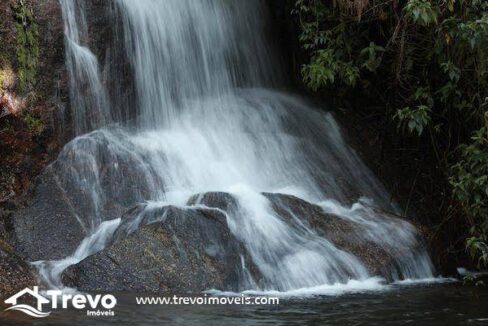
342, 232
92, 180
48, 228
166, 249
190, 249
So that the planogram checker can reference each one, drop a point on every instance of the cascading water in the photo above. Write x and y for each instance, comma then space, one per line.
209, 120
86, 90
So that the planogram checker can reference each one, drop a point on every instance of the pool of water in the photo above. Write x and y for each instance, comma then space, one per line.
431, 304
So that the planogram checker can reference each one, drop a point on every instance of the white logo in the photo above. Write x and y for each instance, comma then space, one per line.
26, 309
77, 301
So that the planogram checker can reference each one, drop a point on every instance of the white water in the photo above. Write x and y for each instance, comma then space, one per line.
373, 284
50, 271
87, 92
208, 119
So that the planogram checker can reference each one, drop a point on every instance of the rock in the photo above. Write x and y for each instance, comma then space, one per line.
175, 250
172, 249
38, 233
51, 68
24, 154
341, 232
60, 197
221, 200
379, 258
23, 151
15, 274
338, 230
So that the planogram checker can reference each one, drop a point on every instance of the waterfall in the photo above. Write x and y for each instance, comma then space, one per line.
191, 50
210, 118
87, 93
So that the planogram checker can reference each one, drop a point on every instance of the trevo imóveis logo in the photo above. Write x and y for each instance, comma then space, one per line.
53, 297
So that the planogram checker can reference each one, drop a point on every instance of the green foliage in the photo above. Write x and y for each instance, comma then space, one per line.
421, 12
421, 64
27, 48
470, 279
332, 61
470, 186
414, 120
322, 70
371, 58
349, 73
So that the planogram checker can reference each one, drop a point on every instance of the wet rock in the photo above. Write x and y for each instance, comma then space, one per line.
86, 185
49, 227
219, 200
174, 249
346, 235
295, 211
180, 250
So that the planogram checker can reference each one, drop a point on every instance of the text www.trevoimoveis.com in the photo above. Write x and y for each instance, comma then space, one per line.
208, 300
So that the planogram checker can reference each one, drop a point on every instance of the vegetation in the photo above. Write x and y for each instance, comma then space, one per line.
34, 124
24, 98
27, 48
470, 183
422, 67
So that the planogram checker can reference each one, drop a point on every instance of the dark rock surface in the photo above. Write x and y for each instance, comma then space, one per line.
172, 249
293, 210
30, 138
220, 200
339, 231
48, 227
111, 184
15, 274
181, 250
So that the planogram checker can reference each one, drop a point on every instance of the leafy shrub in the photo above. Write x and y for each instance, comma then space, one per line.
470, 186
423, 65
